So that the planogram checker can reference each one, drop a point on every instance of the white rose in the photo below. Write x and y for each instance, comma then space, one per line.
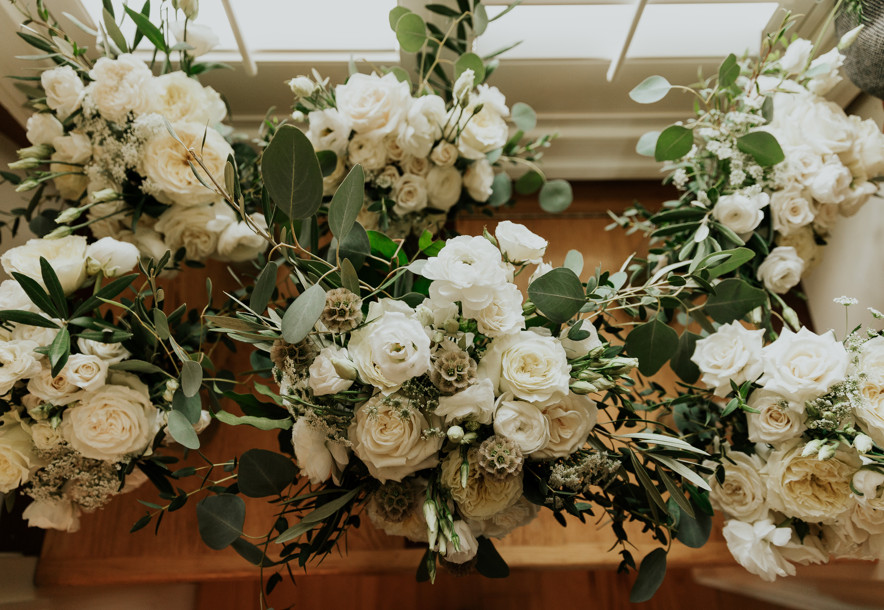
521, 422
870, 411
58, 390
742, 494
866, 157
481, 132
180, 98
804, 243
444, 185
392, 347
857, 196
17, 457
201, 37
484, 495
72, 148
503, 523
467, 545
17, 361
419, 166
475, 403
503, 316
802, 366
778, 420
410, 194
110, 257
740, 212
445, 154
796, 57
86, 372
801, 164
331, 371
64, 90
43, 128
164, 162
758, 547
37, 334
387, 178
13, 296
387, 434
519, 244
731, 353
478, 180
319, 457
467, 269
45, 437
368, 150
532, 366
806, 120
120, 86
62, 515
790, 210
423, 125
237, 240
302, 86
111, 423
570, 422
373, 103
579, 349
781, 270
329, 130
831, 183
823, 82
193, 228
809, 488
66, 255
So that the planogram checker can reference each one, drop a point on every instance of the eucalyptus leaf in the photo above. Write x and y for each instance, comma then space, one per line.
728, 71
555, 196
524, 116
653, 343
292, 173
396, 13
480, 19
694, 531
328, 162
673, 143
557, 294
191, 378
470, 61
647, 144
574, 262
189, 406
733, 299
349, 278
261, 423
264, 473
136, 366
356, 246
529, 182
501, 190
346, 203
220, 519
265, 284
681, 362
763, 147
411, 32
182, 430
303, 314
652, 89
650, 576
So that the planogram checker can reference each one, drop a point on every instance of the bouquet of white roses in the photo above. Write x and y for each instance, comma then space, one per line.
801, 444
766, 163
87, 397
109, 142
432, 149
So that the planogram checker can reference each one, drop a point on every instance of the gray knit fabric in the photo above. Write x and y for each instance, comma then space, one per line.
864, 64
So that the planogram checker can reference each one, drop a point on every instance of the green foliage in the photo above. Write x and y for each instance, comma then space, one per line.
292, 174
763, 147
652, 89
674, 142
346, 203
650, 576
653, 343
556, 196
728, 71
411, 32
182, 430
220, 519
733, 299
558, 294
303, 314
264, 473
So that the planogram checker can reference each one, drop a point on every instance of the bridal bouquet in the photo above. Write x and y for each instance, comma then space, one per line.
109, 141
801, 444
431, 149
766, 163
87, 396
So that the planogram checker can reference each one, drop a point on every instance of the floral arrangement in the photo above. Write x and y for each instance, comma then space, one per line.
431, 149
109, 141
89, 397
799, 441
767, 164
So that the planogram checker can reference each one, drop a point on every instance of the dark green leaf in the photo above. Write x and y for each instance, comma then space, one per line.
681, 361
108, 291
558, 294
182, 430
356, 246
191, 377
673, 143
27, 317
150, 31
733, 299
694, 531
653, 343
556, 196
529, 183
328, 162
264, 287
302, 314
346, 203
489, 563
189, 406
395, 14
349, 278
113, 31
650, 576
261, 423
161, 323
763, 147
220, 519
53, 287
38, 296
59, 351
136, 366
292, 174
250, 552
264, 473
738, 257
728, 71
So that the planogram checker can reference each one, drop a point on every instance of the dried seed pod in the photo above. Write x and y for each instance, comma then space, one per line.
293, 356
394, 500
453, 370
500, 457
343, 311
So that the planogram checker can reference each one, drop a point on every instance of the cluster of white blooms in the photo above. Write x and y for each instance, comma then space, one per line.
119, 135
806, 487
456, 384
418, 153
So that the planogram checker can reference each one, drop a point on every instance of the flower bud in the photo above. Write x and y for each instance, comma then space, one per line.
455, 434
190, 8
755, 316
850, 37
828, 451
432, 521
451, 326
58, 233
104, 195
863, 443
344, 368
26, 163
302, 86
812, 447
26, 185
40, 151
791, 318
298, 116
68, 215
583, 387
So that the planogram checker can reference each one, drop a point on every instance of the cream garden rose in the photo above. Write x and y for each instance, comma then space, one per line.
373, 103
64, 90
802, 366
777, 420
870, 411
731, 353
422, 126
193, 228
17, 457
531, 366
743, 493
790, 210
57, 390
484, 496
86, 372
523, 423
179, 98
475, 403
319, 457
410, 194
570, 422
120, 86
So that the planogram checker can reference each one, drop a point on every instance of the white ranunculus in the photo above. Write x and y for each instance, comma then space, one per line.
410, 194
478, 180
392, 347
463, 85
831, 183
519, 244
467, 545
64, 90
731, 353
475, 403
570, 422
201, 37
790, 210
190, 228
329, 130
110, 257
467, 269
367, 150
43, 128
58, 390
777, 420
114, 422
66, 255
13, 296
319, 457
444, 185
62, 515
120, 86
165, 164
483, 131
758, 547
796, 57
578, 349
445, 154
503, 316
742, 494
88, 373
111, 353
802, 366
823, 82
388, 436
740, 212
17, 457
532, 366
332, 371
781, 270
423, 125
809, 488
521, 422
180, 98
504, 522
373, 103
